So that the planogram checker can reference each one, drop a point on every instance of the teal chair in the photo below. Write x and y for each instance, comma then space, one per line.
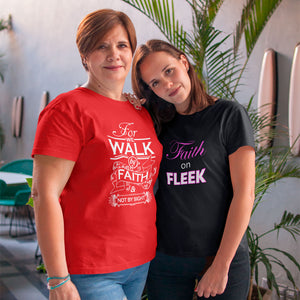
2, 187
23, 166
21, 219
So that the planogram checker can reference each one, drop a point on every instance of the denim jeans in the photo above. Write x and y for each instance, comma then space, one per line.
173, 277
123, 285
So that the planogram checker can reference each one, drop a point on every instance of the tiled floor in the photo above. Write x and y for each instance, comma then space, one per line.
19, 279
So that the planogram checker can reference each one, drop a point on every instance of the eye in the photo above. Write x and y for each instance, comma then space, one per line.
154, 84
102, 46
123, 45
169, 71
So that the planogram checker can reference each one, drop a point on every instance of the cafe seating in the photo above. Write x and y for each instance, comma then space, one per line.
14, 198
20, 215
2, 187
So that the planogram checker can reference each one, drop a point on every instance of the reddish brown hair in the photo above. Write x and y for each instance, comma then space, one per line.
97, 24
160, 110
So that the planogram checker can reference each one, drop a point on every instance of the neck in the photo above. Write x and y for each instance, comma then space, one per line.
113, 91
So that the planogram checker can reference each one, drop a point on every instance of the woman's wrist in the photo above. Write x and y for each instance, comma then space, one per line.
54, 282
222, 262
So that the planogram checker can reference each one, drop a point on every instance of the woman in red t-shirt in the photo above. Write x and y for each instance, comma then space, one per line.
96, 159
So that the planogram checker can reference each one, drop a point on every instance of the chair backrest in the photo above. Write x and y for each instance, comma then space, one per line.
2, 187
23, 166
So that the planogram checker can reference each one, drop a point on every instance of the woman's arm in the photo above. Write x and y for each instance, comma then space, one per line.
242, 171
50, 175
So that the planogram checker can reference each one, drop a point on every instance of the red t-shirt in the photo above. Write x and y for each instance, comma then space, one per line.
108, 203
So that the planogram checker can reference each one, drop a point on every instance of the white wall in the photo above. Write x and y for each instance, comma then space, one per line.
41, 54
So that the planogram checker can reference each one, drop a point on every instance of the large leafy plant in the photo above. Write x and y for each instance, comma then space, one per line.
221, 71
272, 165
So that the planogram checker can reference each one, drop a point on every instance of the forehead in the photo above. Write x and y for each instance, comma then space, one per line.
118, 32
155, 63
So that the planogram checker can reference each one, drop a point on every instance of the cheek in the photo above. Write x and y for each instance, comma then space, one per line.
159, 92
128, 57
187, 82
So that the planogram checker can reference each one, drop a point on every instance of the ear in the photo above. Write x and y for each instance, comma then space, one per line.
185, 62
84, 62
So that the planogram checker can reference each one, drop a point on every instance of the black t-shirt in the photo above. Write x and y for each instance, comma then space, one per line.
195, 189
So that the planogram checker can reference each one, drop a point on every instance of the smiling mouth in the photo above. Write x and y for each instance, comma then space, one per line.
173, 93
113, 68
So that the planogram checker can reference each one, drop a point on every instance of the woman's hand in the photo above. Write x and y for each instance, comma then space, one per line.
134, 100
67, 291
213, 282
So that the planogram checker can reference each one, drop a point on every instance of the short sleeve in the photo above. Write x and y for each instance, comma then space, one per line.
58, 134
237, 128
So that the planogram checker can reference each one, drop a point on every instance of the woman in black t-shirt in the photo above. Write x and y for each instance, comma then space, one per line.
206, 180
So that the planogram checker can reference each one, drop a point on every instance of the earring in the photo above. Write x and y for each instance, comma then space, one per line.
84, 63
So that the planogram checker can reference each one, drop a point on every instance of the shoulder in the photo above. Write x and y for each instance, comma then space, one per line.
230, 107
229, 104
67, 101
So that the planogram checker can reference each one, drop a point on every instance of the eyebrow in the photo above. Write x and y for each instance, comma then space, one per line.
163, 69
119, 42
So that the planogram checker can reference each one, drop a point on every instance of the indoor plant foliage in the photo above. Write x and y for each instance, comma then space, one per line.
272, 165
4, 24
221, 70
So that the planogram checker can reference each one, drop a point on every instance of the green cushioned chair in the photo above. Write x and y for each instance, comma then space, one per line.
23, 166
21, 221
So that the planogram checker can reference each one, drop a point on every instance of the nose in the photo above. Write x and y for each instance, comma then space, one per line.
167, 83
113, 54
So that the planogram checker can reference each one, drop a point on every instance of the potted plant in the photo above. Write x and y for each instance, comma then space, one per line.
221, 71
272, 165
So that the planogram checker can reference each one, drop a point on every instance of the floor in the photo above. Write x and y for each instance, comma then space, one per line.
19, 279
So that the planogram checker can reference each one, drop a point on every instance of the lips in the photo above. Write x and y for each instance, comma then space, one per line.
113, 68
174, 92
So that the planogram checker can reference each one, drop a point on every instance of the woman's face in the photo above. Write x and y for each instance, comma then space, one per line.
109, 64
168, 78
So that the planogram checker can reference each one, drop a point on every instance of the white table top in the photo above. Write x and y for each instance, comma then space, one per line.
14, 178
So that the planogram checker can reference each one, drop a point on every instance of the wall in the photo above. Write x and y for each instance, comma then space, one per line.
41, 54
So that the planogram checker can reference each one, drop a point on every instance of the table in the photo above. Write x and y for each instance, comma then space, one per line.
11, 178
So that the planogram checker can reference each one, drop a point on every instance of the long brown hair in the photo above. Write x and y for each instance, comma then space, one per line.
160, 110
96, 25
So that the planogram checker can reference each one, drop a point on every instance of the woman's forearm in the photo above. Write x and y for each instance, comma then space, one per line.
50, 233
242, 172
50, 176
236, 224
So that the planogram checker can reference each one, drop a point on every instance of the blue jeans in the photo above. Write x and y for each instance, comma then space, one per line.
173, 277
124, 285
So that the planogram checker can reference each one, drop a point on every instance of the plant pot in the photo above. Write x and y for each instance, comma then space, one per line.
266, 293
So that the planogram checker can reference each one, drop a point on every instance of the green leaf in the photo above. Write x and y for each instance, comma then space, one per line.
290, 223
30, 200
41, 268
162, 14
257, 14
